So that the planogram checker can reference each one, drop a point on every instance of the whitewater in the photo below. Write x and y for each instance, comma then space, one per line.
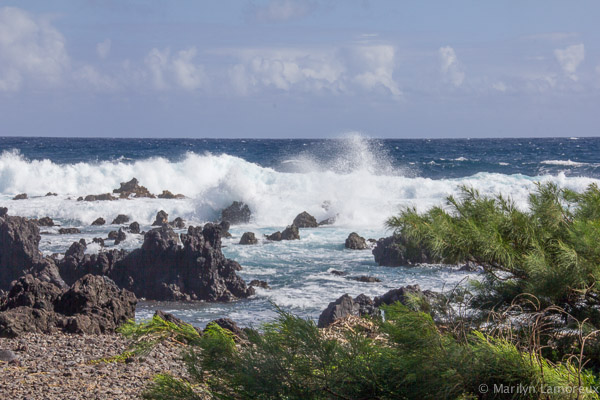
360, 182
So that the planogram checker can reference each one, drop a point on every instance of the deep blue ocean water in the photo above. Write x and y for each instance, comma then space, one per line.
356, 180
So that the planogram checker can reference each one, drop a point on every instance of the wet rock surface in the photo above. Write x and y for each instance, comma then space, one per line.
120, 219
166, 194
99, 221
132, 188
162, 218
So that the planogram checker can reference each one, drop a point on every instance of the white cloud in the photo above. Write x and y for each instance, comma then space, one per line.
378, 63
287, 69
179, 71
90, 78
188, 75
30, 50
570, 58
499, 86
103, 49
281, 10
451, 67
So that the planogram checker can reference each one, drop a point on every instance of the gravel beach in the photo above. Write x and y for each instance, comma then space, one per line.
60, 366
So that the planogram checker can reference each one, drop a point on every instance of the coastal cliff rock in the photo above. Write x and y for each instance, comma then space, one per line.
92, 305
395, 251
305, 220
19, 240
356, 242
237, 213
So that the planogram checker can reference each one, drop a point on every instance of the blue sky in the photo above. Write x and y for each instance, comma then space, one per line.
299, 68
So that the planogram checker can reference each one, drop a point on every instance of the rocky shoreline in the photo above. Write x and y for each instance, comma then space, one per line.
66, 366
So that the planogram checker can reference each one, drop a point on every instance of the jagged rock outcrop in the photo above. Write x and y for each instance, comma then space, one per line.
68, 231
120, 219
19, 240
99, 221
99, 197
162, 218
289, 233
121, 236
345, 306
44, 221
237, 213
365, 279
305, 220
134, 227
356, 242
248, 238
260, 284
177, 223
395, 251
168, 195
161, 270
92, 305
132, 188
21, 196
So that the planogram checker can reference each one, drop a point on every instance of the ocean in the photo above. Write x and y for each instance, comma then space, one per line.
358, 180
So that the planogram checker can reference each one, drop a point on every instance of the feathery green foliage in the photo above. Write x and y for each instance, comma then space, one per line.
292, 360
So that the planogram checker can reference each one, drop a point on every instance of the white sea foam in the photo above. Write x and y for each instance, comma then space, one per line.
567, 163
360, 187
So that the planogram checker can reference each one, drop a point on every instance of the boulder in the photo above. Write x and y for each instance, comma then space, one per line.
327, 221
19, 240
412, 296
395, 251
340, 308
290, 233
356, 242
120, 219
231, 326
248, 238
305, 220
31, 292
260, 284
99, 197
99, 221
68, 231
338, 273
168, 195
51, 194
236, 213
45, 221
345, 306
112, 235
134, 227
366, 279
177, 223
132, 188
276, 237
98, 240
162, 218
121, 236
22, 196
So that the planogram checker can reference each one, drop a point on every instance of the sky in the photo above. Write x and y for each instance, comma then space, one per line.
299, 68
